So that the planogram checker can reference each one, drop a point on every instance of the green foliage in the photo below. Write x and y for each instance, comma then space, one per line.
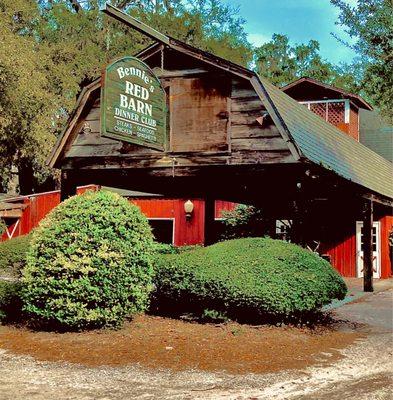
243, 221
283, 63
13, 255
3, 226
164, 248
10, 302
51, 49
27, 106
370, 24
247, 279
89, 263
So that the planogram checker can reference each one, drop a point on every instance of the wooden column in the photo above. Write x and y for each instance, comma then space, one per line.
67, 185
209, 220
298, 223
368, 246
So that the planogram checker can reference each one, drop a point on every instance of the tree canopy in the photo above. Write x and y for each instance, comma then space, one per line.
283, 63
51, 49
370, 24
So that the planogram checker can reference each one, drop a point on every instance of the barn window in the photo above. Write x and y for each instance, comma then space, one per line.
334, 111
163, 229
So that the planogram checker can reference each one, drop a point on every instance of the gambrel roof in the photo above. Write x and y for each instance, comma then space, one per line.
309, 137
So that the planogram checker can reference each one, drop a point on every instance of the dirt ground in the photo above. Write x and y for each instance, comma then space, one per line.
155, 342
179, 360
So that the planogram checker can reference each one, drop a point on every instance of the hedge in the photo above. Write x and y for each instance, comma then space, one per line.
89, 264
13, 255
10, 301
248, 279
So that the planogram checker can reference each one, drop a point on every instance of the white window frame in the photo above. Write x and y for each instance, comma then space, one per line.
376, 254
167, 219
345, 101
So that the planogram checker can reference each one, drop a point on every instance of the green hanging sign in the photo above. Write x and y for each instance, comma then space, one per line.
133, 104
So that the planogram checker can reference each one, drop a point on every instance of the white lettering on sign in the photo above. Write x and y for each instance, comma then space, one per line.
132, 71
133, 104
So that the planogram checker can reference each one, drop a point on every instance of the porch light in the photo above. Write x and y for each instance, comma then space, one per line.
188, 208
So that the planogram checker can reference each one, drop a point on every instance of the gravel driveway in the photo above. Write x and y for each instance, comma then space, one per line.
364, 372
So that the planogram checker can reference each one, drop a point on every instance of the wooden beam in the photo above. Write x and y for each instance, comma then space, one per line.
368, 246
135, 24
378, 199
209, 220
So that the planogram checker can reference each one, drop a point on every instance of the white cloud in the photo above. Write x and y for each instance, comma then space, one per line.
258, 39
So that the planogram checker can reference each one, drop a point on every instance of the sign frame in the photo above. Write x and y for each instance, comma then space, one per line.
105, 107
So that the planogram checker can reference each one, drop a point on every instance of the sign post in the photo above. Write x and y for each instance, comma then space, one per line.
133, 104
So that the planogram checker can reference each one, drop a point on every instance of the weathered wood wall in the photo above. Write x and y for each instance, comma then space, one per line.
214, 119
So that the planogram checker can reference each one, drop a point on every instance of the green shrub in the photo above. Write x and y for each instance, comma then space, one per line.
13, 255
3, 226
247, 279
164, 248
10, 302
89, 263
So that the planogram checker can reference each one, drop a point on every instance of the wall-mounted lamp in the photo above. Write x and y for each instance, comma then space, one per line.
188, 208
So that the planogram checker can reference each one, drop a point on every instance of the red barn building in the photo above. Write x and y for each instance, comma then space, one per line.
231, 137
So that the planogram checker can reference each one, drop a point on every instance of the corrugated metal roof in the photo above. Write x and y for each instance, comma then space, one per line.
325, 145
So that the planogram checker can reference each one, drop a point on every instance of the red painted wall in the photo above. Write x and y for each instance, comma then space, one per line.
340, 242
187, 232
341, 246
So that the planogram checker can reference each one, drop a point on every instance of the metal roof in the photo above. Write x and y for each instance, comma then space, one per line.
325, 145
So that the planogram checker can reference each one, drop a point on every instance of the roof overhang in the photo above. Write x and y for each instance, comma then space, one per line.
356, 99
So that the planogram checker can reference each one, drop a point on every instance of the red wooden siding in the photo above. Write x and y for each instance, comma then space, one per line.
187, 232
223, 206
386, 226
340, 245
339, 241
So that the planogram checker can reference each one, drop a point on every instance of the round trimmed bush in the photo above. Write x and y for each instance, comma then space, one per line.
248, 279
89, 264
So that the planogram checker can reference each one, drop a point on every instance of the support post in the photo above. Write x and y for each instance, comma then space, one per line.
299, 220
67, 185
368, 246
209, 220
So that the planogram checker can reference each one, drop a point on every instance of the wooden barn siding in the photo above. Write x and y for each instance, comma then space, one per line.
386, 226
223, 206
218, 117
38, 206
341, 245
187, 232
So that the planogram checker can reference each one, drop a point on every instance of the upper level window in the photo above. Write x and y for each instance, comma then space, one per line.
334, 111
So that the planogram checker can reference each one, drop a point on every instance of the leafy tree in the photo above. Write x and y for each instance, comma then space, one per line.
245, 221
370, 23
283, 63
52, 48
27, 106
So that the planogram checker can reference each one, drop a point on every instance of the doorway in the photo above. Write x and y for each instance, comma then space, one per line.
376, 249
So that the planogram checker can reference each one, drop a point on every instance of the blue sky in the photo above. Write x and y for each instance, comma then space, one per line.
301, 20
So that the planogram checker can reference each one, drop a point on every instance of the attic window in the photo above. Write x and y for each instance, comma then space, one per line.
333, 111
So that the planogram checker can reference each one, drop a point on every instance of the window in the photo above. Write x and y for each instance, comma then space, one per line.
283, 227
163, 229
374, 239
334, 111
